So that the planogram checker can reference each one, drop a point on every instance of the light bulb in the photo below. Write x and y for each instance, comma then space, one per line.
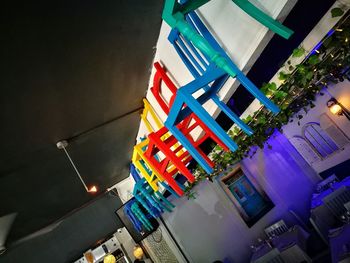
138, 252
92, 189
109, 259
335, 109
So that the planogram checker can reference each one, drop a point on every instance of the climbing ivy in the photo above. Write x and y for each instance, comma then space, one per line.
329, 64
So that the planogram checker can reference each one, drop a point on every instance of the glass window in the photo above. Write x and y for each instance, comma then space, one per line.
238, 193
248, 188
306, 150
319, 139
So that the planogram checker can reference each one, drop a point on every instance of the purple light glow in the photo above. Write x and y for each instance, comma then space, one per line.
284, 175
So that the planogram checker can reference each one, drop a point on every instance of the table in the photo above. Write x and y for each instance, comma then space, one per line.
338, 238
288, 247
317, 197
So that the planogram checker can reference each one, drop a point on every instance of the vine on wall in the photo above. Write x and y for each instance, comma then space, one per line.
328, 64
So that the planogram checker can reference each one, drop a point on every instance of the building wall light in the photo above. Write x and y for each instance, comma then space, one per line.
336, 108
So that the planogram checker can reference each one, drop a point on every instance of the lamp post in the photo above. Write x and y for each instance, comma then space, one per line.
336, 108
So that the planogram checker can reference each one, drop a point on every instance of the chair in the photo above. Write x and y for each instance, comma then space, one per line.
136, 216
209, 78
323, 185
147, 170
322, 220
276, 229
294, 253
199, 62
192, 121
153, 178
154, 202
173, 11
161, 145
143, 167
152, 123
321, 228
174, 14
148, 111
336, 200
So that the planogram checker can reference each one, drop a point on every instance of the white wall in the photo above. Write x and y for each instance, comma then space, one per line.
341, 92
209, 228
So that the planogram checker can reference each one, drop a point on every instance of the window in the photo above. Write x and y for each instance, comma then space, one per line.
333, 131
319, 139
305, 149
238, 193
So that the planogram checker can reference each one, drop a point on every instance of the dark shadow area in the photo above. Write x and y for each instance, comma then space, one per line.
72, 237
340, 170
68, 67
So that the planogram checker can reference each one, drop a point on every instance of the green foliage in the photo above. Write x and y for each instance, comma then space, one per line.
280, 94
191, 194
283, 76
294, 97
269, 88
261, 120
337, 12
248, 119
298, 52
313, 60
